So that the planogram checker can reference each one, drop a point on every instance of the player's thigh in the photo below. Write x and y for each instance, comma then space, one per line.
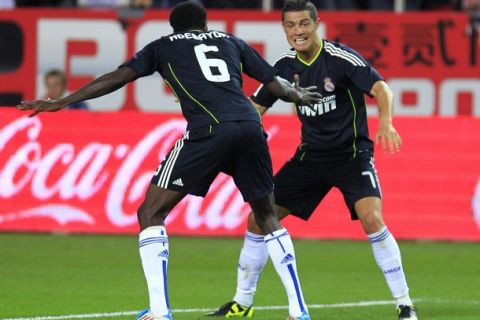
357, 179
157, 199
299, 187
192, 163
251, 164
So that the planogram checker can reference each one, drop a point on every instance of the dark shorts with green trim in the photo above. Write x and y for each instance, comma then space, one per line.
301, 185
238, 149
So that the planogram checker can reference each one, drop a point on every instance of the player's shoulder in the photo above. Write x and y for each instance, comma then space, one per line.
221, 39
231, 36
342, 53
156, 43
239, 42
285, 58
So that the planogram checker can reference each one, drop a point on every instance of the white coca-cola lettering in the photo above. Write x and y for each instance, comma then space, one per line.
67, 172
62, 214
225, 210
91, 160
216, 214
166, 133
61, 154
82, 177
26, 156
476, 204
21, 159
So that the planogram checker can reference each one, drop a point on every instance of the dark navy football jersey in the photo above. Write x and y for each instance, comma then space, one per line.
204, 69
336, 127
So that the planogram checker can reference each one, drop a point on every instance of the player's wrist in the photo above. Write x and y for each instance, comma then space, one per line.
385, 120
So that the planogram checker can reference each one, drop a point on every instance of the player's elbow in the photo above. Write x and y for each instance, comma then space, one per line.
382, 89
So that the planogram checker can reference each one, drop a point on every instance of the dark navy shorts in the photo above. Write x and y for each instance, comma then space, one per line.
301, 185
238, 149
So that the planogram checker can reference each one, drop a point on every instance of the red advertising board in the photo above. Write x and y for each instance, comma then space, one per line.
431, 60
81, 172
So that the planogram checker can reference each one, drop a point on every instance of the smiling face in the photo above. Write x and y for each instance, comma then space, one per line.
301, 32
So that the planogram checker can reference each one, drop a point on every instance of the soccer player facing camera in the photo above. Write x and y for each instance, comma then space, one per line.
335, 151
224, 134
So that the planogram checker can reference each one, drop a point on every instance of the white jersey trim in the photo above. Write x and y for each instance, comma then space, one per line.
290, 54
350, 57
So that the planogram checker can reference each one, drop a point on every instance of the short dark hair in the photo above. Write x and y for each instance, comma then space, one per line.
188, 15
300, 5
57, 73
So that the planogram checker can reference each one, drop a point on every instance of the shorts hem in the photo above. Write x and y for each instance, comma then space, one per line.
295, 213
353, 213
253, 198
186, 191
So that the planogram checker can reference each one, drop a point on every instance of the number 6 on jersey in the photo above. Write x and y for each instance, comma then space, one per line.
206, 64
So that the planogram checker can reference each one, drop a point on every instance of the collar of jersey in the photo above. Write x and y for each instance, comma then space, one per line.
314, 58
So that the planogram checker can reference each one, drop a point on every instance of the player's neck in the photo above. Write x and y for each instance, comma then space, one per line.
308, 56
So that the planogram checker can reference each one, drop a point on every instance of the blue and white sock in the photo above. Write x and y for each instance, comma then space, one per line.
154, 252
253, 257
280, 248
388, 257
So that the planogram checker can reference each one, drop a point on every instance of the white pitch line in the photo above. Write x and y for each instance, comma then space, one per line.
310, 306
79, 316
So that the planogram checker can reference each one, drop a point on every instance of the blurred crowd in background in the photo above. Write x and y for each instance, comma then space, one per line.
470, 5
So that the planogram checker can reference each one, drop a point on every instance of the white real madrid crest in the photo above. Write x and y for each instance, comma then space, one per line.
328, 85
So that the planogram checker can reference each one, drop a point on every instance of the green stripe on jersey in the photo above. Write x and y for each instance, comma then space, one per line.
354, 124
190, 96
176, 95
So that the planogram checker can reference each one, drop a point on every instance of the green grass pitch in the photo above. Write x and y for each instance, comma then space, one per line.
74, 277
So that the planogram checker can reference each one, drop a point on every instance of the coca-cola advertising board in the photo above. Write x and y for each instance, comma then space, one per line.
430, 59
84, 172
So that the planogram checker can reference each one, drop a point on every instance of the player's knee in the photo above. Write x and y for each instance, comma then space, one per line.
142, 216
371, 220
252, 225
149, 216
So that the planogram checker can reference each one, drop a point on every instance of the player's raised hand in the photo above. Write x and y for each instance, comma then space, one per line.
283, 89
388, 137
40, 106
307, 96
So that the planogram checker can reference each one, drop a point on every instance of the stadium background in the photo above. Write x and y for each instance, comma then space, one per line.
70, 182
86, 172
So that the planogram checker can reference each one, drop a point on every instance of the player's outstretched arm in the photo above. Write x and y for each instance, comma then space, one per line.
101, 86
261, 109
387, 135
293, 93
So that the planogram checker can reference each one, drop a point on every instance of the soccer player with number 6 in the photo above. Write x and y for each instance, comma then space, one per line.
224, 134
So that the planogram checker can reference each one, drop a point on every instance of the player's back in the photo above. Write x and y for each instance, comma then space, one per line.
204, 68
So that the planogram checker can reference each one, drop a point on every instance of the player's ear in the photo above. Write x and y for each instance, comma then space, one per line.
205, 27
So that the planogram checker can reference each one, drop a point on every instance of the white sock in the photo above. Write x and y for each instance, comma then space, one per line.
387, 255
153, 243
253, 257
280, 248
